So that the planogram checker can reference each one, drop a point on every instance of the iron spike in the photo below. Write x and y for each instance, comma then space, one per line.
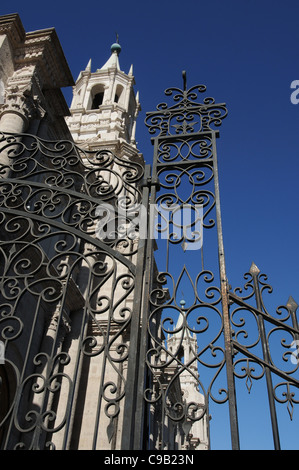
254, 270
184, 79
292, 304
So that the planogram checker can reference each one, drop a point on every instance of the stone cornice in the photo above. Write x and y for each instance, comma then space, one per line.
40, 48
57, 102
12, 26
43, 48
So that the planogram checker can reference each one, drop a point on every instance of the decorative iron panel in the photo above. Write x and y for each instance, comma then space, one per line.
68, 278
197, 339
265, 342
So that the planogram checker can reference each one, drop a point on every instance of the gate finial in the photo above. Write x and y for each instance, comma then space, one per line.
291, 303
184, 79
254, 270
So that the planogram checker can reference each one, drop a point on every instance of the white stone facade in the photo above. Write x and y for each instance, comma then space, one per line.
32, 71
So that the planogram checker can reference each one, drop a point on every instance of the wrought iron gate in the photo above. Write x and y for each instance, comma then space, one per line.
68, 290
202, 336
105, 344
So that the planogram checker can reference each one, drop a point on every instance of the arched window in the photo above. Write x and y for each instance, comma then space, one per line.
96, 96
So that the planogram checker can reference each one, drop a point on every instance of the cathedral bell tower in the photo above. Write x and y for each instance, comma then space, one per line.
104, 107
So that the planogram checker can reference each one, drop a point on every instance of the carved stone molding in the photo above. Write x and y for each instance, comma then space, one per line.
11, 26
38, 63
23, 103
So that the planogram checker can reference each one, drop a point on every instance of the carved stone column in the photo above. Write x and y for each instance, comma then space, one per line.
20, 107
34, 68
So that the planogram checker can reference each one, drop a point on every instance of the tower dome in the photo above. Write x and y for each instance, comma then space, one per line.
115, 47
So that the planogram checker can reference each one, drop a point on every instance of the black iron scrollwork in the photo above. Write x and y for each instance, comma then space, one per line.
222, 331
186, 115
64, 184
265, 342
185, 334
67, 274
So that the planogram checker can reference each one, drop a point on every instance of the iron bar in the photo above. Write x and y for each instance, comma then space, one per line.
238, 347
292, 329
255, 272
141, 419
133, 409
226, 315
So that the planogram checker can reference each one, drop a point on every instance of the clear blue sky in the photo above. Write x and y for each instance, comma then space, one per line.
247, 54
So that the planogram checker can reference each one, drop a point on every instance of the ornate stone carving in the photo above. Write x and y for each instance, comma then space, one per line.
21, 101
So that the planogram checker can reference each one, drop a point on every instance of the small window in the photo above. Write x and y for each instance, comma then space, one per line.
118, 94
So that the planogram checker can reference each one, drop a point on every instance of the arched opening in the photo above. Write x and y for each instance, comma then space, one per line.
97, 100
118, 93
97, 96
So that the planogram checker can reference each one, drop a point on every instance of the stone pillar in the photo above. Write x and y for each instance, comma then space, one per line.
13, 122
19, 108
33, 69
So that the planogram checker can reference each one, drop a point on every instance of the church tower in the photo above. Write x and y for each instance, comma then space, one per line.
104, 107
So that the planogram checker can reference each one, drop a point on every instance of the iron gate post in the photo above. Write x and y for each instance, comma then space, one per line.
229, 353
131, 424
254, 271
140, 435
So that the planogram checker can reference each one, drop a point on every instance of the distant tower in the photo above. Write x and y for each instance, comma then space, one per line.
104, 107
183, 344
103, 116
